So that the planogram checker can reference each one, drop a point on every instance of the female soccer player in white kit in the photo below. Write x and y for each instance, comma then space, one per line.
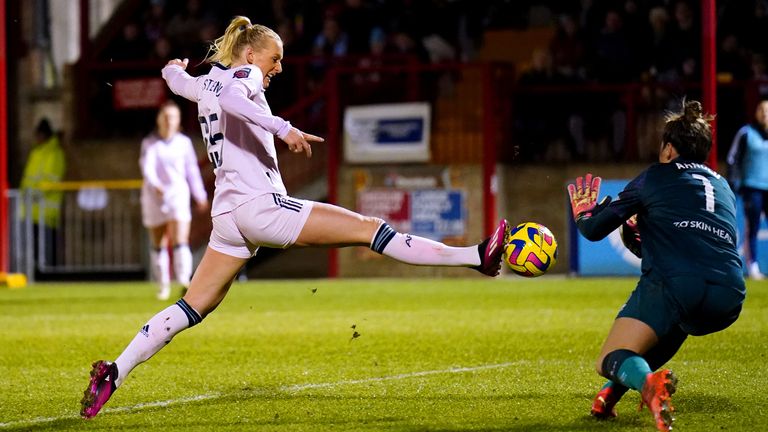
250, 205
169, 166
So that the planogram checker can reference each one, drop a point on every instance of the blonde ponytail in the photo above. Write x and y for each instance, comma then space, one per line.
239, 34
221, 50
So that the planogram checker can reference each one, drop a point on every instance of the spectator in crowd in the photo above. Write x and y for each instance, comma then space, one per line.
613, 56
184, 28
162, 48
402, 43
332, 41
287, 31
760, 73
636, 29
377, 42
45, 166
757, 28
132, 45
357, 19
568, 48
660, 60
596, 40
543, 117
731, 62
169, 166
748, 175
155, 21
686, 36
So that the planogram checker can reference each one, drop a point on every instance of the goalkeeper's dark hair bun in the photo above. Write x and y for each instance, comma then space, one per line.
689, 131
693, 111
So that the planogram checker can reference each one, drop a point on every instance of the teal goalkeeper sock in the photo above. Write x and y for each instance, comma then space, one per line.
632, 372
618, 389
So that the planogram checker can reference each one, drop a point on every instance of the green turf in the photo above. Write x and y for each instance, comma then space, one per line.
277, 356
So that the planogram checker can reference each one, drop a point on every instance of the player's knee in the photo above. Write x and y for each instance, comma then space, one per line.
381, 235
193, 315
373, 221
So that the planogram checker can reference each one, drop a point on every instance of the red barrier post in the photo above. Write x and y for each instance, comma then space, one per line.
709, 69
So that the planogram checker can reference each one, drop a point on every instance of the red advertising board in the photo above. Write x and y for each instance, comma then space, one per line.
392, 205
138, 93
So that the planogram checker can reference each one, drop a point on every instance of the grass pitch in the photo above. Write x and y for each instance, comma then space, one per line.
364, 355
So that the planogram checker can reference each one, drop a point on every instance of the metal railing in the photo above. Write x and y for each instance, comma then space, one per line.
98, 229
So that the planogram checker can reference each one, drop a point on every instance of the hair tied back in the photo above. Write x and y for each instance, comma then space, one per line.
692, 111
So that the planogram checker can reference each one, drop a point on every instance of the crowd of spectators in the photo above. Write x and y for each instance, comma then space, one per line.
594, 41
604, 40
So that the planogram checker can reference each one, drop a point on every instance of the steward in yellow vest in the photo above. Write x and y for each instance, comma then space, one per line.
46, 164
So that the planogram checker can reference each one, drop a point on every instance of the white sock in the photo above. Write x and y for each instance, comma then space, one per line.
182, 263
417, 250
161, 271
155, 334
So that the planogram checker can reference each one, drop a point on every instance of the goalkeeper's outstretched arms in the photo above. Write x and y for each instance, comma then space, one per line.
597, 220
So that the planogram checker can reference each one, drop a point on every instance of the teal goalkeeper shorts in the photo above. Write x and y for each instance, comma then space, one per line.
695, 305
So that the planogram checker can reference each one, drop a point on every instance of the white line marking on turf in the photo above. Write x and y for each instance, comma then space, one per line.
288, 388
300, 387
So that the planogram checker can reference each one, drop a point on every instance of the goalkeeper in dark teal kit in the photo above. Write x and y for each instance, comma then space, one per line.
691, 283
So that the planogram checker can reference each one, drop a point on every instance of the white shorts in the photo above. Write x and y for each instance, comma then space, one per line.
156, 211
270, 220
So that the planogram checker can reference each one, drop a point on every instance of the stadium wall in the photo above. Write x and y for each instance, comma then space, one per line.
362, 262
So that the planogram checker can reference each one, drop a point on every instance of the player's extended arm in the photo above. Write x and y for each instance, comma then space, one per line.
234, 101
179, 81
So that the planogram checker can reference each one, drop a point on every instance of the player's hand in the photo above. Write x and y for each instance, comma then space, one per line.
181, 63
630, 236
298, 141
583, 195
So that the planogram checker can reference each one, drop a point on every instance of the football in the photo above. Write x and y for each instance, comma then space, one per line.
530, 249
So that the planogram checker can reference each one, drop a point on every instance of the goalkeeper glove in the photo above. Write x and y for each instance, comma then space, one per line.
583, 196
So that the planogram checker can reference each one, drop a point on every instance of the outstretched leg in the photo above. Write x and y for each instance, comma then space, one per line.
330, 225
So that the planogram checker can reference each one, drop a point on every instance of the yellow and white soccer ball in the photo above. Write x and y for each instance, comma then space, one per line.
530, 249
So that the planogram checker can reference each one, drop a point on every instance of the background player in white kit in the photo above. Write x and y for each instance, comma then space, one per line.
250, 205
169, 166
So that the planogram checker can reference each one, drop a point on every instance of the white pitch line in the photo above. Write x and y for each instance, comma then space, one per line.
288, 388
300, 387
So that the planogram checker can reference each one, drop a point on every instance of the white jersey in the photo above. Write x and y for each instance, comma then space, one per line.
238, 127
170, 165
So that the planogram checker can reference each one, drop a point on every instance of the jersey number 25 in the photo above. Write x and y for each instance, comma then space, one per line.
212, 137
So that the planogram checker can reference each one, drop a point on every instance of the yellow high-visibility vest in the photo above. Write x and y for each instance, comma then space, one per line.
47, 164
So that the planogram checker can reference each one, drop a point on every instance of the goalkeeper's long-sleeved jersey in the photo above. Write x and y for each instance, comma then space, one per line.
686, 218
